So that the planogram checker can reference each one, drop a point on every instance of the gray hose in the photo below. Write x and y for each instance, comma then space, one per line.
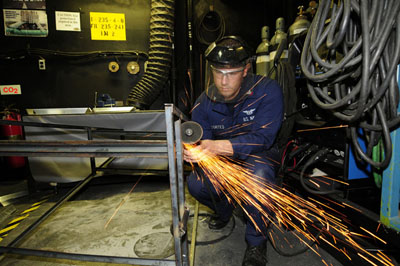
351, 70
149, 87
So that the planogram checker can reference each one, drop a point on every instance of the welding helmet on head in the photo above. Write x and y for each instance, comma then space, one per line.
229, 51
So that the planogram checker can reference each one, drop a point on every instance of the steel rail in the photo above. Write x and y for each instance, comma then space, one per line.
83, 148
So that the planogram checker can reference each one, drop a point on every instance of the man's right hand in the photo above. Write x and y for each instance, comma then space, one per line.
206, 149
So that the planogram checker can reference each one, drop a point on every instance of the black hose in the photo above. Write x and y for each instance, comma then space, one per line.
283, 73
313, 159
349, 58
153, 81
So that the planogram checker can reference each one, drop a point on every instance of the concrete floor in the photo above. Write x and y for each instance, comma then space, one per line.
140, 228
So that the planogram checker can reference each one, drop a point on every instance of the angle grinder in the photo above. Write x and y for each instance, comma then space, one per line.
191, 132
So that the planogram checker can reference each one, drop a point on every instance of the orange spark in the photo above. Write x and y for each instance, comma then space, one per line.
184, 101
266, 125
250, 104
377, 228
362, 228
348, 205
186, 93
345, 253
194, 107
321, 128
384, 256
365, 258
121, 203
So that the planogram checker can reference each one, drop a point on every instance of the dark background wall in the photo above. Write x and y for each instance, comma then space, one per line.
72, 83
67, 82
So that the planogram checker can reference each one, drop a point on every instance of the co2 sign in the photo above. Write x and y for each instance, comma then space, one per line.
10, 89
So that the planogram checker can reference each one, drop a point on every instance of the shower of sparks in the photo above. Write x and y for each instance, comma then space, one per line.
240, 185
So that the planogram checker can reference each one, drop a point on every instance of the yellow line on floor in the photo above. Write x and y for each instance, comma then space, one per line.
9, 228
40, 202
14, 223
19, 219
31, 209
2, 237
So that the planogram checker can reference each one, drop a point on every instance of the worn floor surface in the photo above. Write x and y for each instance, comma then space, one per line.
90, 224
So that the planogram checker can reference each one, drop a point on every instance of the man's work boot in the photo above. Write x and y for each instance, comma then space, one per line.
215, 223
255, 255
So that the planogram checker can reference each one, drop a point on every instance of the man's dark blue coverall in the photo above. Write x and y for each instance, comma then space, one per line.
253, 117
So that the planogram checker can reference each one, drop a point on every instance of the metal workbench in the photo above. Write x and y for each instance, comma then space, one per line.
141, 144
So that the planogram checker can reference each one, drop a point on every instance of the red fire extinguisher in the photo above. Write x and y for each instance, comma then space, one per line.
13, 132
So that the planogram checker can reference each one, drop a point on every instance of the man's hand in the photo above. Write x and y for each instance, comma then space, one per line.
208, 148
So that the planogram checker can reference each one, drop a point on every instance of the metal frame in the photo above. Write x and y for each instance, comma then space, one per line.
390, 213
117, 148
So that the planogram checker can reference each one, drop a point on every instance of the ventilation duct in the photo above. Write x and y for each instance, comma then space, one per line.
157, 72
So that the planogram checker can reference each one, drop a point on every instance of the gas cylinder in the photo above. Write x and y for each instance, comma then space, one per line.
262, 53
13, 132
280, 35
300, 24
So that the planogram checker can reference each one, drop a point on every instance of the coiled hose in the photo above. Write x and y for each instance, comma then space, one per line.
349, 58
210, 27
149, 87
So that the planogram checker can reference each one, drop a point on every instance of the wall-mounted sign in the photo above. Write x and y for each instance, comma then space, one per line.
28, 23
10, 89
68, 21
107, 26
24, 4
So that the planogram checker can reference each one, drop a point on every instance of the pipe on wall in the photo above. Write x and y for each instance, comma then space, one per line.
145, 92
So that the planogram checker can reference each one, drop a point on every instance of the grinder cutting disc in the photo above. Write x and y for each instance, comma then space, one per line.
191, 132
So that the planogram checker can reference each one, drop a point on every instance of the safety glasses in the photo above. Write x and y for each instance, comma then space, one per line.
219, 73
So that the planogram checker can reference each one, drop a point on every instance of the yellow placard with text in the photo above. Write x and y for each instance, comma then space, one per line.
107, 26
